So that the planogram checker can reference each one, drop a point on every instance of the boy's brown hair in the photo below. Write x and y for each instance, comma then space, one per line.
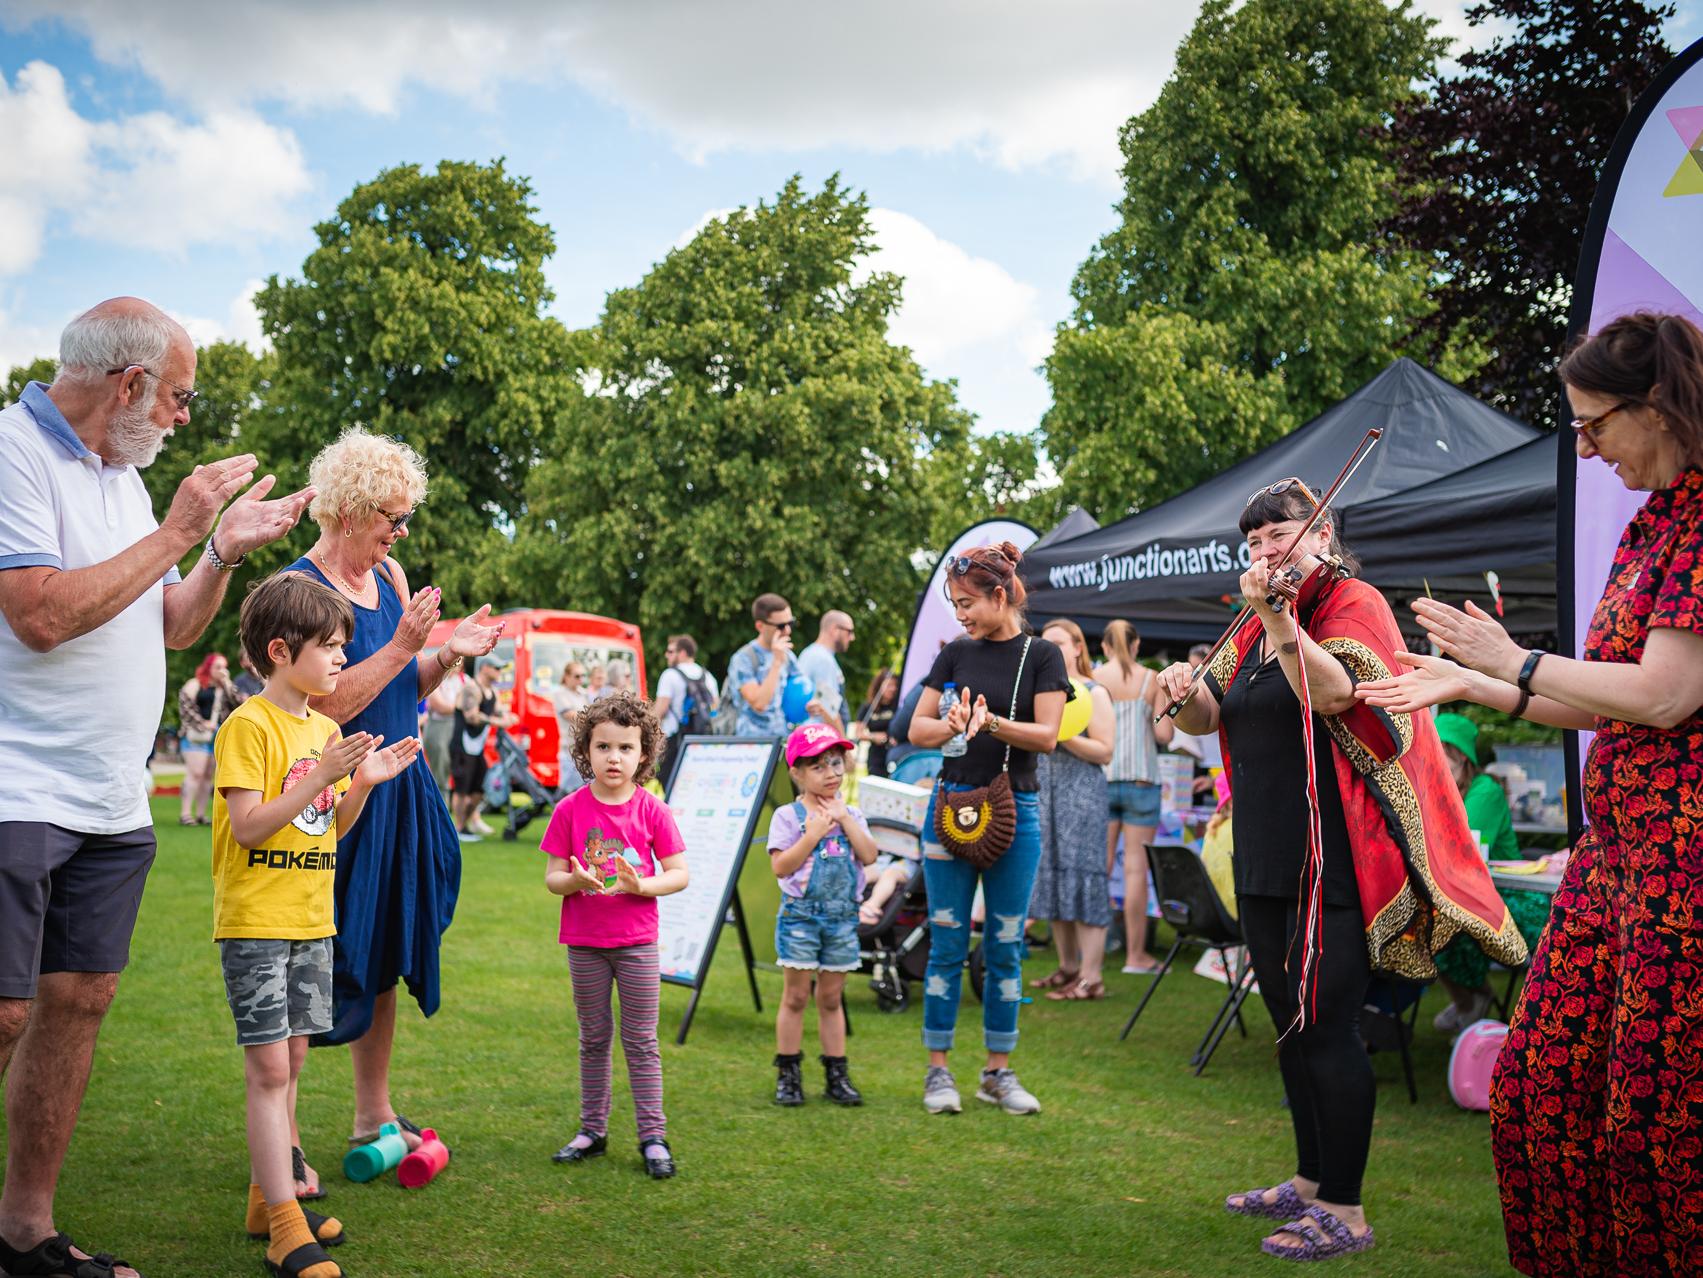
293, 608
624, 710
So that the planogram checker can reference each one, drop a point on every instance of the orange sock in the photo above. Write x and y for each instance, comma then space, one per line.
289, 1231
327, 1230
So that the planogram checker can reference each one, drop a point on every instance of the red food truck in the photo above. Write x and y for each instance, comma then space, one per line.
536, 646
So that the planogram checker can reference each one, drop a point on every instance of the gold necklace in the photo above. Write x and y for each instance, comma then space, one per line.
341, 579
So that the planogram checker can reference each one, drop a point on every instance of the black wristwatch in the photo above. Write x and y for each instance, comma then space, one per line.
1524, 682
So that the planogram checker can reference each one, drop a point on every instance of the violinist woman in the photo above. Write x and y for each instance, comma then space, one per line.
1383, 861
1596, 1106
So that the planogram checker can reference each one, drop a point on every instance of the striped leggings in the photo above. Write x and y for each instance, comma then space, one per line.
596, 974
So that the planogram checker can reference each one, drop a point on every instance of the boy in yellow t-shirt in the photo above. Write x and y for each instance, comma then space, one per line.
287, 783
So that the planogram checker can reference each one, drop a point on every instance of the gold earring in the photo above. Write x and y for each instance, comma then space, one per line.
348, 531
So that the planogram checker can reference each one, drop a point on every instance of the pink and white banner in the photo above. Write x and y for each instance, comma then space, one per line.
1640, 254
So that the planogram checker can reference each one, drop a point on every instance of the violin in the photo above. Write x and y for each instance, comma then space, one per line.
1299, 583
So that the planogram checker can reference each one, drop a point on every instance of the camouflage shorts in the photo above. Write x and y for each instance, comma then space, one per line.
277, 989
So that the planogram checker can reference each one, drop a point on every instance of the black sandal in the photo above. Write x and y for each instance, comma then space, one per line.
315, 1223
570, 1153
304, 1257
657, 1168
298, 1168
52, 1258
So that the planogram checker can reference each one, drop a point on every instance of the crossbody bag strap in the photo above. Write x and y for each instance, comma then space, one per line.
1027, 639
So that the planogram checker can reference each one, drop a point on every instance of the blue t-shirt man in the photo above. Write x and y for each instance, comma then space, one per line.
751, 665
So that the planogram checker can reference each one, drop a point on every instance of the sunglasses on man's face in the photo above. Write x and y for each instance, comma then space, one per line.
779, 625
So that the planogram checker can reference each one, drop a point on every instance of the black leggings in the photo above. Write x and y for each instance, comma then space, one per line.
1326, 1072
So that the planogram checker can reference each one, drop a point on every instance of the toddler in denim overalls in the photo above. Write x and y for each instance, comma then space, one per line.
818, 847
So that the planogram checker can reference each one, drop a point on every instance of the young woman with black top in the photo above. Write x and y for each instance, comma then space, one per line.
875, 719
996, 657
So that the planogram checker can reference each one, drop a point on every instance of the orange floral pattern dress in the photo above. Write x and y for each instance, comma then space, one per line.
1597, 1104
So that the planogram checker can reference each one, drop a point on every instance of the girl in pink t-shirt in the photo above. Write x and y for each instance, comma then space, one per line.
613, 848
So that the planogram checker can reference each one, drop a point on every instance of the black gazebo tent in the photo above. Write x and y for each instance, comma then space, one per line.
1171, 568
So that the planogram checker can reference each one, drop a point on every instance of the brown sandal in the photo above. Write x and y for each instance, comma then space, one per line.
1080, 992
1057, 980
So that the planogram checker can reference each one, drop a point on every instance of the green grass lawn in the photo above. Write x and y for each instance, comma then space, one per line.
1122, 1173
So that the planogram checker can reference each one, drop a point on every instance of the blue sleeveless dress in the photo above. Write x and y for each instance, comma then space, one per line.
399, 871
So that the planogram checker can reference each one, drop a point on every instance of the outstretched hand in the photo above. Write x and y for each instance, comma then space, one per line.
251, 522
342, 755
418, 618
381, 765
475, 636
1428, 681
1472, 637
626, 878
581, 879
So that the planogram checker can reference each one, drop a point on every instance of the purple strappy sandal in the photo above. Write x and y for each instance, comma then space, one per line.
1339, 1239
1288, 1206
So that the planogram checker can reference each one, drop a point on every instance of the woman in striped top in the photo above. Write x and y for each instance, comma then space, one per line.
1133, 774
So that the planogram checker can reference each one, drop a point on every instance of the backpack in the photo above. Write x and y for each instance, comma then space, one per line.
698, 711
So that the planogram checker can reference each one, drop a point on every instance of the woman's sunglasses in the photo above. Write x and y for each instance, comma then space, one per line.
1279, 488
397, 522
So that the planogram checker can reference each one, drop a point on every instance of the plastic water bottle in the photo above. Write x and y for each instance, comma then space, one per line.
957, 745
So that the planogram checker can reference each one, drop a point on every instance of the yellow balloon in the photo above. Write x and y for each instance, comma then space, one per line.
1077, 711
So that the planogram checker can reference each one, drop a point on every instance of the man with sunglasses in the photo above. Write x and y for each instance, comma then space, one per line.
758, 674
820, 663
91, 597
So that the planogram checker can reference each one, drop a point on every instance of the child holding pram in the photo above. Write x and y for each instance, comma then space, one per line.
818, 847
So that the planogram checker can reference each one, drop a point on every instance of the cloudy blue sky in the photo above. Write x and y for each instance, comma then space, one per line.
183, 151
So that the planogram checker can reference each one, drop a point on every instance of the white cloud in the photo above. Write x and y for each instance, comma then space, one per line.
1018, 83
22, 343
141, 181
962, 316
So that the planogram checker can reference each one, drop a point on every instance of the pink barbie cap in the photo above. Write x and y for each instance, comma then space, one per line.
810, 740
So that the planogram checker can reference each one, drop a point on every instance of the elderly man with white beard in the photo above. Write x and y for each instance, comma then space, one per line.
90, 597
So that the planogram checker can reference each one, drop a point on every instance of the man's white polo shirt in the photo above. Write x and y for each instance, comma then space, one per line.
77, 723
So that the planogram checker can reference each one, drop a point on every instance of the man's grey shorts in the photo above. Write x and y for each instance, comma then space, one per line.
277, 989
68, 900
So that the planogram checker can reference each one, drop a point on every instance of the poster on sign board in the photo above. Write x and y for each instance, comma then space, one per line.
717, 798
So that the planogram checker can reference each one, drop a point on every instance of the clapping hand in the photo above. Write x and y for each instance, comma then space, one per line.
252, 522
581, 879
1474, 638
204, 491
978, 718
418, 618
627, 878
381, 765
958, 717
1429, 681
342, 755
474, 636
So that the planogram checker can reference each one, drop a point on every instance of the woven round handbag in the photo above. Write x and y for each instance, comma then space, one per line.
978, 825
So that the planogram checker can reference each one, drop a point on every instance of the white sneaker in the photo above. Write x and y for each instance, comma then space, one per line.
1000, 1087
940, 1092
1447, 1021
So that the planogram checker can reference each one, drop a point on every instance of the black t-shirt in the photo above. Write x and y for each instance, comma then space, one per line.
988, 668
1268, 779
878, 719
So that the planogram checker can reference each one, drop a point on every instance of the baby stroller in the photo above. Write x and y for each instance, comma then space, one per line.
894, 949
516, 773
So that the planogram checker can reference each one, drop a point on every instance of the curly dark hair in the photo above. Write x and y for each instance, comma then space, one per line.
624, 710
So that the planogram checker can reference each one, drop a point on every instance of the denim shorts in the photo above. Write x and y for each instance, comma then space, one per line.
277, 989
1132, 802
817, 935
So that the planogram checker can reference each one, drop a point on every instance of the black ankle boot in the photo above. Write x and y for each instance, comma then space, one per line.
789, 1084
839, 1089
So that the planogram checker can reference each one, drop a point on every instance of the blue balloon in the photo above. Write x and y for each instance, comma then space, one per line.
796, 696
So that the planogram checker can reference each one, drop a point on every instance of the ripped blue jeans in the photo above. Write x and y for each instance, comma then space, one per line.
1006, 886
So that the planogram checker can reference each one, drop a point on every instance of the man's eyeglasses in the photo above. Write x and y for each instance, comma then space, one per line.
397, 522
1279, 488
1586, 425
183, 398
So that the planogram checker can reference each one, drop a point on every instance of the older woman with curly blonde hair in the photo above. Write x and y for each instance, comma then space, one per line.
399, 871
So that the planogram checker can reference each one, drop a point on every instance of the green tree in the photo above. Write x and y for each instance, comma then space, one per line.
1501, 162
38, 370
746, 426
420, 315
1247, 286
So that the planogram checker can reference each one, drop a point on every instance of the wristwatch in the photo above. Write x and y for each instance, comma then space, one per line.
993, 724
220, 564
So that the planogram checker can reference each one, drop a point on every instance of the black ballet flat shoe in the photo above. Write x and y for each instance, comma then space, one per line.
571, 1153
657, 1168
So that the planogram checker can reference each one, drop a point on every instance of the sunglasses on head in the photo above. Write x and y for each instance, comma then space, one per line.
1279, 488
960, 565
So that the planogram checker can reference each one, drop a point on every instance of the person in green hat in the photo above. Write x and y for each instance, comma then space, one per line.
1461, 965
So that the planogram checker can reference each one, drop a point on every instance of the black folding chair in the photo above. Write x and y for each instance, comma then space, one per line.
1190, 904
1388, 1020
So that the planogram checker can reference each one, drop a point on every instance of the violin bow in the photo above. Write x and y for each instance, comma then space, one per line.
1362, 451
